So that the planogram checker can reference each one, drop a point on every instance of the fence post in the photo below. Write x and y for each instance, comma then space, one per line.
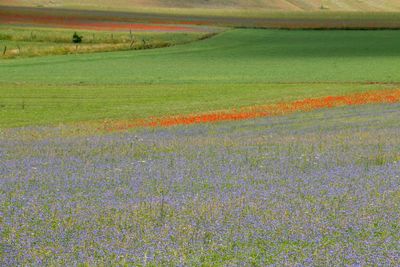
132, 38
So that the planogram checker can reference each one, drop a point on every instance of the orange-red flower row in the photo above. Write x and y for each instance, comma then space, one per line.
371, 97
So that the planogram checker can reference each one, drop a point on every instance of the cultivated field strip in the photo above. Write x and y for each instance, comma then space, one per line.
246, 113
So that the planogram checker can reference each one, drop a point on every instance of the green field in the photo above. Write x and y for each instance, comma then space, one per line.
236, 68
190, 149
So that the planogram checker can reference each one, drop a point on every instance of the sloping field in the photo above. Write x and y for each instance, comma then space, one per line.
22, 41
234, 69
85, 20
237, 56
317, 185
187, 18
267, 5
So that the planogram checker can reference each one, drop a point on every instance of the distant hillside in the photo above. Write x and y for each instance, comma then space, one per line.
232, 5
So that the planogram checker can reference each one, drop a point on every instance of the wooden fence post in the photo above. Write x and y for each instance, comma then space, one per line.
132, 39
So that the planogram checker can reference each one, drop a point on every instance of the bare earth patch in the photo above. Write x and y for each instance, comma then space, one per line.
87, 24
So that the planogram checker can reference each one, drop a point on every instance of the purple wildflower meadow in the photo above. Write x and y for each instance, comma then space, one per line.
319, 188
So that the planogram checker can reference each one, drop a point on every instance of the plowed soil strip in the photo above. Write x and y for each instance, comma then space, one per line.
91, 25
309, 104
348, 20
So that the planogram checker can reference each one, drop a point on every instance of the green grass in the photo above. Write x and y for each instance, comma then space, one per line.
236, 68
31, 41
46, 104
238, 56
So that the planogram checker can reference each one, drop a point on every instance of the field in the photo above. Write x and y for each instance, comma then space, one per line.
189, 17
201, 144
33, 41
237, 68
219, 6
20, 41
318, 188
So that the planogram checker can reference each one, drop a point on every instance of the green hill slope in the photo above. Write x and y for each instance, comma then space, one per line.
237, 56
237, 68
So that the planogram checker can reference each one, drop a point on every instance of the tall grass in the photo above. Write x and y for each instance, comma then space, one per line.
32, 42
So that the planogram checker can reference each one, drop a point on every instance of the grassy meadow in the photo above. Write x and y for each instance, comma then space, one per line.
233, 69
22, 41
318, 188
236, 56
22, 105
